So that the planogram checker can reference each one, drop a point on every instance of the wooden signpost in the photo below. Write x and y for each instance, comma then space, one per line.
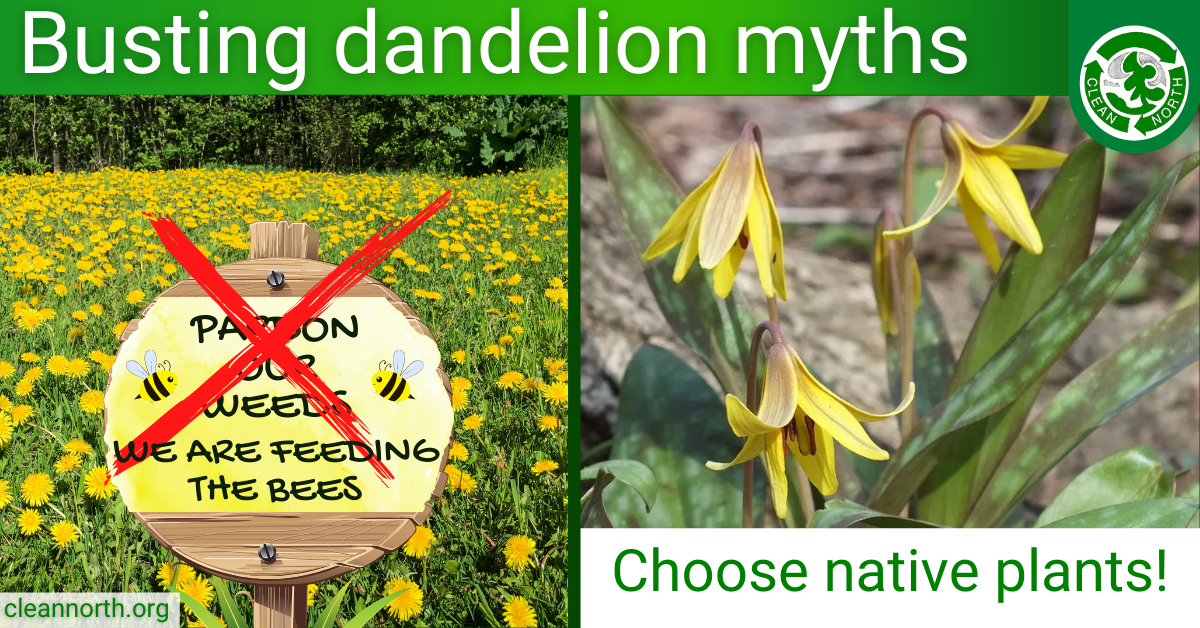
262, 487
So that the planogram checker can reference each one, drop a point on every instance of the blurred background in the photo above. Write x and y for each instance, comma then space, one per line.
832, 163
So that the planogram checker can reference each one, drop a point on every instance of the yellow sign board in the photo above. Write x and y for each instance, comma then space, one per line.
262, 447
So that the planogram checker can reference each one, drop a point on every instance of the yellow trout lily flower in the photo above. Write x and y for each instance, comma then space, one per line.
802, 415
980, 170
730, 211
885, 277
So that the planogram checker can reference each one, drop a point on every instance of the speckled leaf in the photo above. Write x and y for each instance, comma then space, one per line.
631, 473
1151, 513
718, 330
841, 513
1031, 351
1066, 219
1100, 392
1131, 475
670, 419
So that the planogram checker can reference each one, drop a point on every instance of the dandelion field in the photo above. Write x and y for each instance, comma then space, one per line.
487, 275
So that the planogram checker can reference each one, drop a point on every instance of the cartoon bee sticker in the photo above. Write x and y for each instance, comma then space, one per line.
390, 382
156, 384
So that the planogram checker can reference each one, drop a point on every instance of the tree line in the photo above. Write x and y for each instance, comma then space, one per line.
464, 134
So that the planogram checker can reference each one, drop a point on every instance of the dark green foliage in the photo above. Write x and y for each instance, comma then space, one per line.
463, 134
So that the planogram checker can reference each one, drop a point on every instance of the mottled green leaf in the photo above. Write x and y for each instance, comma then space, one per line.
1131, 475
718, 330
841, 513
670, 419
1100, 392
1066, 219
1151, 513
1030, 352
632, 473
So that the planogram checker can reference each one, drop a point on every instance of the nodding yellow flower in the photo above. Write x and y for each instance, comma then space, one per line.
721, 218
799, 414
884, 277
980, 170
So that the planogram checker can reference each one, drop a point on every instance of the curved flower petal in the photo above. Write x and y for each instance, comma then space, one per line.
1023, 157
723, 214
859, 414
762, 221
983, 141
779, 387
677, 225
753, 447
979, 227
687, 252
819, 466
776, 476
742, 420
726, 271
777, 274
994, 187
952, 176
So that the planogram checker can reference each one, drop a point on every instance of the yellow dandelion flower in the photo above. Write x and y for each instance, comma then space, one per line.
554, 365
135, 297
518, 330
174, 572
460, 383
79, 315
458, 452
509, 379
458, 399
516, 299
459, 357
23, 388
37, 489
97, 356
6, 404
67, 463
78, 446
197, 587
6, 369
74, 333
518, 552
514, 280
21, 413
408, 604
60, 290
556, 393
6, 431
57, 365
29, 320
64, 533
506, 340
5, 495
544, 466
78, 368
34, 374
519, 614
92, 402
473, 422
418, 544
547, 423
96, 309
494, 351
30, 521
30, 357
97, 483
311, 590
562, 376
46, 314
119, 328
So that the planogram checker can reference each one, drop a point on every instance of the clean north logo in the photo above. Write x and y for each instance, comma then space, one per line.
1134, 83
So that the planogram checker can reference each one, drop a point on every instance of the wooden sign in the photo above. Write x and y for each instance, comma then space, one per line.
261, 488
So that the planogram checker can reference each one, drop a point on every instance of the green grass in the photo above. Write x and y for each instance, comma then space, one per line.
464, 578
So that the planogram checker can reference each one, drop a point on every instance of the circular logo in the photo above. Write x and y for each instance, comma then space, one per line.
1134, 83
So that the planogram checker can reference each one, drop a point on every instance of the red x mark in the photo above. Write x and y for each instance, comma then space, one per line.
271, 344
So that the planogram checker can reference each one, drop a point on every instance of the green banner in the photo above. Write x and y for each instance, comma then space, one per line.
545, 46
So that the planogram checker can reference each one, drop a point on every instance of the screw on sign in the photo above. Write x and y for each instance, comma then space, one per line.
272, 456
